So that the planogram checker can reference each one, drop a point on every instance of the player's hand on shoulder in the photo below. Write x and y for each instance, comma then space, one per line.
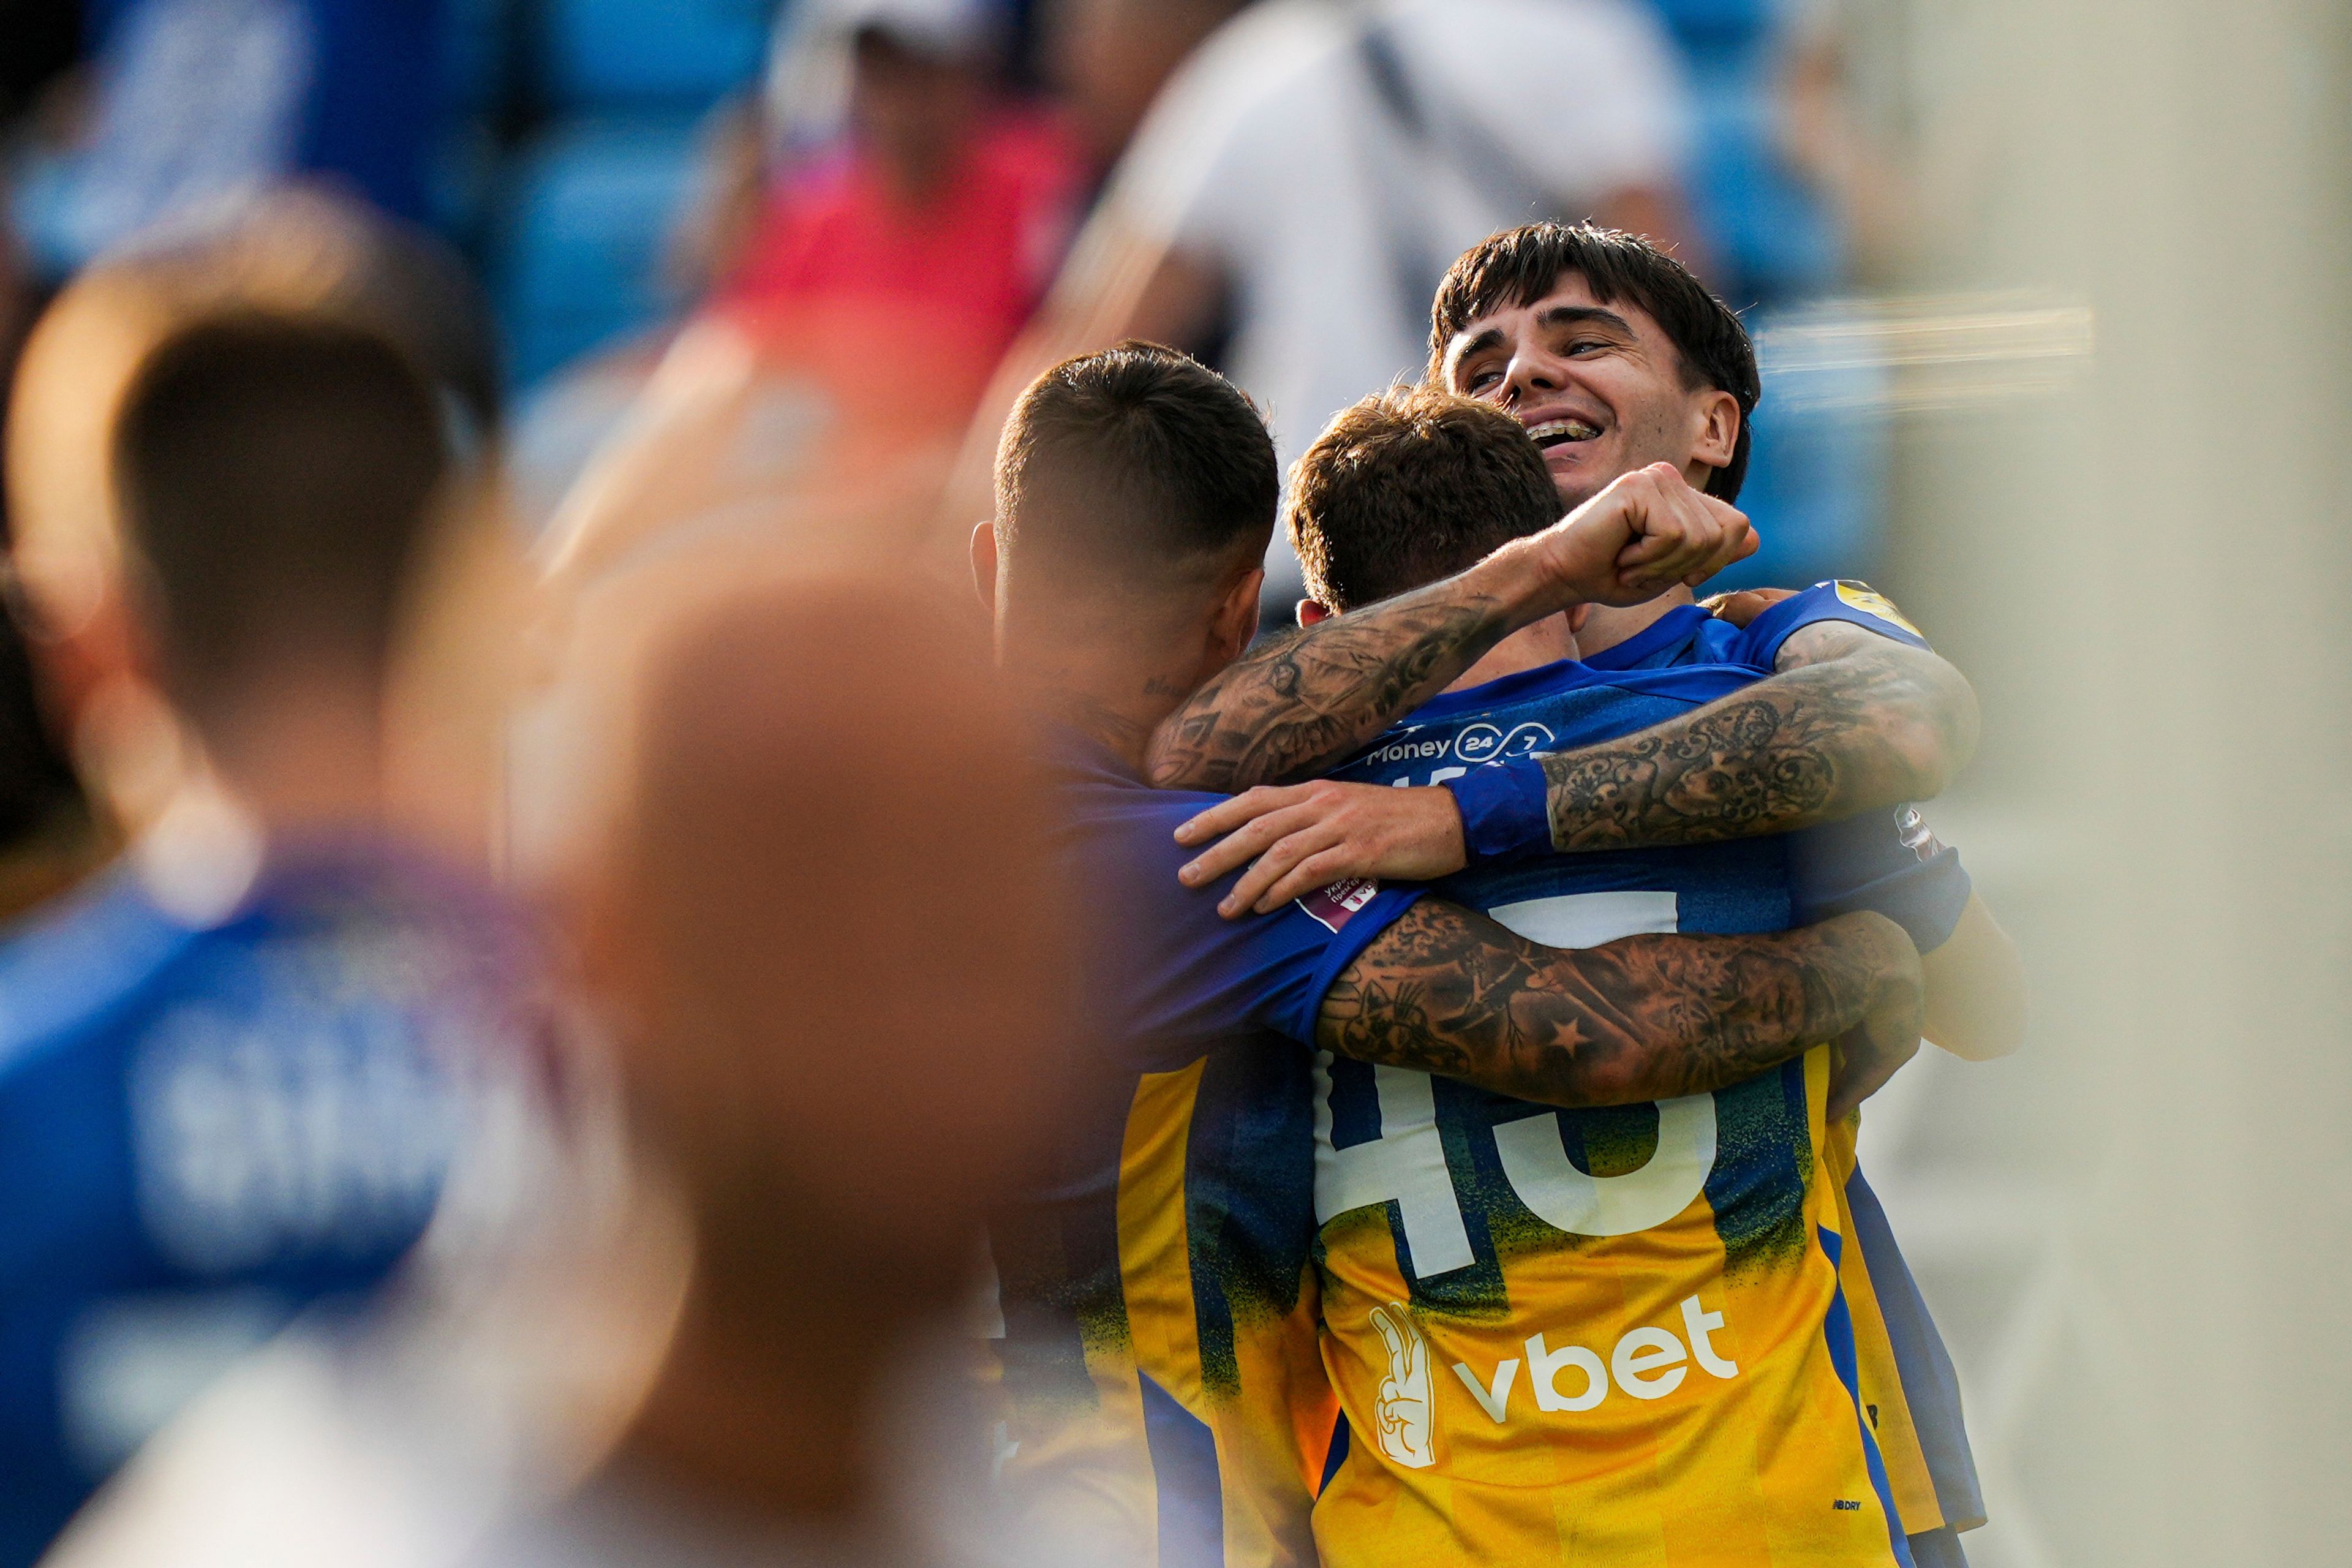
1741, 606
1299, 837
1648, 531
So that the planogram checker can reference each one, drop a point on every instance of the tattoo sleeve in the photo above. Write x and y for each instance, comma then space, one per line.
1301, 700
1451, 992
1852, 721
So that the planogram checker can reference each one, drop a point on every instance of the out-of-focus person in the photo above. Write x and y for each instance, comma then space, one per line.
231, 1066
1305, 177
941, 197
836, 1013
193, 101
923, 232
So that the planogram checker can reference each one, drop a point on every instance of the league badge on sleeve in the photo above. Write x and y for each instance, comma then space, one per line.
1859, 595
1334, 906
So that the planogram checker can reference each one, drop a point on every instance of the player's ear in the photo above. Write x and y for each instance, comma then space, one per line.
1236, 621
1311, 611
1717, 435
983, 563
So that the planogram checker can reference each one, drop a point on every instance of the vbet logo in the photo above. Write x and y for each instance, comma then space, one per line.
1646, 1363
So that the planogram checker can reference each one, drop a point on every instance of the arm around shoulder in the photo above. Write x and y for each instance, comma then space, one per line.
1449, 991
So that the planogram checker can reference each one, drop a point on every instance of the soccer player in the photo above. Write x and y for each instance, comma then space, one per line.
1397, 491
229, 1067
1165, 1399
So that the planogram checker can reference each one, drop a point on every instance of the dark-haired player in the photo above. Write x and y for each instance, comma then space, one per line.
229, 1065
1165, 1401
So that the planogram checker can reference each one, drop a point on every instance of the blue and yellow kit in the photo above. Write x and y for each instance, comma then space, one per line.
1632, 1335
1162, 1398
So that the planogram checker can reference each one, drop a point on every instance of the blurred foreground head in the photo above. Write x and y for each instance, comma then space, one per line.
326, 374
275, 475
830, 946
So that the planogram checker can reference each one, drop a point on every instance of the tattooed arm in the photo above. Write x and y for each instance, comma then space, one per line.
1850, 722
1646, 1017
1301, 700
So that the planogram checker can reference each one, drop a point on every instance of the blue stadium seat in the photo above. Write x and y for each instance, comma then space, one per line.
617, 54
578, 264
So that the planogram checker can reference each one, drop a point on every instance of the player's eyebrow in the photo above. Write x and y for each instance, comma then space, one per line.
1476, 345
1585, 316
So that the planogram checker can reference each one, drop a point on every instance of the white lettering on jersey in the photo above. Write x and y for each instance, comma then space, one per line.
1647, 1363
1404, 1409
310, 1121
1544, 1368
1564, 1198
1493, 1398
1406, 1165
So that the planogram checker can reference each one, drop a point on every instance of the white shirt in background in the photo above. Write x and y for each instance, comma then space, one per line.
1272, 156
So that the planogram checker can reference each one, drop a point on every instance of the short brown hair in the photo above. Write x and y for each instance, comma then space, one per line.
1409, 486
1133, 463
279, 477
1520, 265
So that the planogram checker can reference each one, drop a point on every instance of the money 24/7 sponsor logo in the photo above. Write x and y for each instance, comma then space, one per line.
1486, 742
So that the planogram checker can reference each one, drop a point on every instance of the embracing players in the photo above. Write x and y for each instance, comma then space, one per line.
1741, 1206
1164, 1401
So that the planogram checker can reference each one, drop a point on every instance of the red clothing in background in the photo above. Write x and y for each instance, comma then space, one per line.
982, 252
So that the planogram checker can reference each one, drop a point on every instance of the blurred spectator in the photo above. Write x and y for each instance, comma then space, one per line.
1315, 168
229, 1067
194, 101
924, 233
941, 198
751, 1359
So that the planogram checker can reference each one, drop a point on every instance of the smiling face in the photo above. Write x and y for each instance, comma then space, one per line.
1599, 386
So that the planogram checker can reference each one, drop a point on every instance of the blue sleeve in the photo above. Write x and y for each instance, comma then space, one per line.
1888, 861
1505, 813
1171, 970
1856, 603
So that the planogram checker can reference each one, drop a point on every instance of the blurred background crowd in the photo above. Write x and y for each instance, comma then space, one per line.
750, 265
616, 169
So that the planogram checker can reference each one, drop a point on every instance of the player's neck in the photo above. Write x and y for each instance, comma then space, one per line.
1606, 626
1113, 688
305, 757
1548, 641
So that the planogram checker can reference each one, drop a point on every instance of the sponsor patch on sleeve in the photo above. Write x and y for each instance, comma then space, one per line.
1336, 905
1861, 597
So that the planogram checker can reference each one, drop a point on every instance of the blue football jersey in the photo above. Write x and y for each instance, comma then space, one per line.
203, 1129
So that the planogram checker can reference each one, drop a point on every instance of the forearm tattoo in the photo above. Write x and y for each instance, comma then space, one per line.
1302, 700
1448, 991
1881, 724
